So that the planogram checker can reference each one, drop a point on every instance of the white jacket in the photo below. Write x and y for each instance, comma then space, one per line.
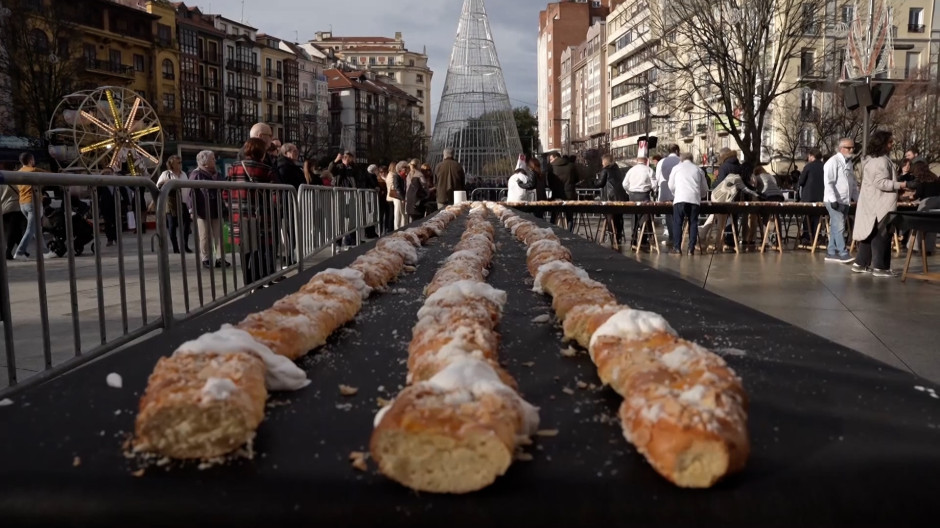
517, 193
638, 179
687, 183
839, 181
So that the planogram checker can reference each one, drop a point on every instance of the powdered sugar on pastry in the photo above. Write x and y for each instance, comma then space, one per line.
632, 325
218, 389
555, 265
280, 372
354, 276
479, 378
461, 290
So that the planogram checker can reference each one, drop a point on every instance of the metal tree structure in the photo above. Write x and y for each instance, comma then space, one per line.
475, 116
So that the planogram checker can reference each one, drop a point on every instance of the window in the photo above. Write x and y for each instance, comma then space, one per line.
411, 62
848, 13
90, 53
911, 64
169, 102
305, 89
138, 63
164, 37
39, 40
419, 78
809, 18
63, 51
807, 63
169, 72
915, 20
267, 67
115, 57
372, 61
420, 94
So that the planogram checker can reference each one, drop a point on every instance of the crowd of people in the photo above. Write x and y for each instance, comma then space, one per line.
413, 189
836, 182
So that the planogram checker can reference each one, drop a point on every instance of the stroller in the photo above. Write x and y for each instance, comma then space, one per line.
82, 231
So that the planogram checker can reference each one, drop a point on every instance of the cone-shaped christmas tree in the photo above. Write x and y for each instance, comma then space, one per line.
474, 116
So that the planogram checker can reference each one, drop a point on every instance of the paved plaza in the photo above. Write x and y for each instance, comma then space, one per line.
139, 289
886, 319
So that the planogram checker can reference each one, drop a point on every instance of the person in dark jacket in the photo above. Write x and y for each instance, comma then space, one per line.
450, 177
288, 173
810, 189
562, 183
343, 169
610, 181
416, 195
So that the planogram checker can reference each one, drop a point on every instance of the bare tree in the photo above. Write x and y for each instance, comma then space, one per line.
790, 128
314, 140
40, 59
398, 135
912, 115
730, 60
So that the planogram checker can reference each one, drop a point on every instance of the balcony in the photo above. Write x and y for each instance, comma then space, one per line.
109, 68
212, 58
166, 42
280, 96
212, 84
916, 28
242, 66
248, 93
269, 72
701, 128
685, 131
169, 76
809, 114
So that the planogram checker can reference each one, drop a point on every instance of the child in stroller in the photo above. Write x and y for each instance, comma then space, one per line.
82, 231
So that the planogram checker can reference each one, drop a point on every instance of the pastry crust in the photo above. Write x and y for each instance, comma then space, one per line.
684, 409
201, 405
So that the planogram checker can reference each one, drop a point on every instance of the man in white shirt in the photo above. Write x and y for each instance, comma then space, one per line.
663, 172
638, 183
689, 186
840, 190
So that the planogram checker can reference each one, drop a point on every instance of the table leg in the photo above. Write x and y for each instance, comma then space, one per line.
779, 236
763, 242
639, 237
923, 248
907, 263
734, 235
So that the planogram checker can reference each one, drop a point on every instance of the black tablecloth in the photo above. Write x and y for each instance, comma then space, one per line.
921, 221
837, 438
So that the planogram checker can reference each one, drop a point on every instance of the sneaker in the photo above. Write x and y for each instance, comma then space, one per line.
49, 254
206, 264
21, 256
884, 273
856, 268
846, 258
833, 258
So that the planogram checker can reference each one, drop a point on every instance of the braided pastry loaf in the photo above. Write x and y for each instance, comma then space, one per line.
683, 408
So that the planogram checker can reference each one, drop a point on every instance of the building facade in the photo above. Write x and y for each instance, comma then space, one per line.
314, 114
561, 25
242, 79
371, 117
274, 63
408, 70
200, 76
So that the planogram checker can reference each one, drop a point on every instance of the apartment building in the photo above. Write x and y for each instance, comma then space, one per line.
405, 69
365, 115
276, 104
242, 79
200, 77
914, 30
588, 115
561, 26
314, 115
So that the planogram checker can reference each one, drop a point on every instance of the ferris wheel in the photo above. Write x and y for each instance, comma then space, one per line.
108, 127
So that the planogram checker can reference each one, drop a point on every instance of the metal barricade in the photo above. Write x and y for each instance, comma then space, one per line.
82, 300
247, 235
317, 208
489, 194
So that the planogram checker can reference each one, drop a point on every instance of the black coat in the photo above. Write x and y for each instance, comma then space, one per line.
610, 178
562, 179
288, 173
812, 182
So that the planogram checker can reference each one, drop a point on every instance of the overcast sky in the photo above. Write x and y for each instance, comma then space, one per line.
430, 23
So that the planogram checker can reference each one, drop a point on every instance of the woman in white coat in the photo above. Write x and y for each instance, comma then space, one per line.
520, 187
877, 197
